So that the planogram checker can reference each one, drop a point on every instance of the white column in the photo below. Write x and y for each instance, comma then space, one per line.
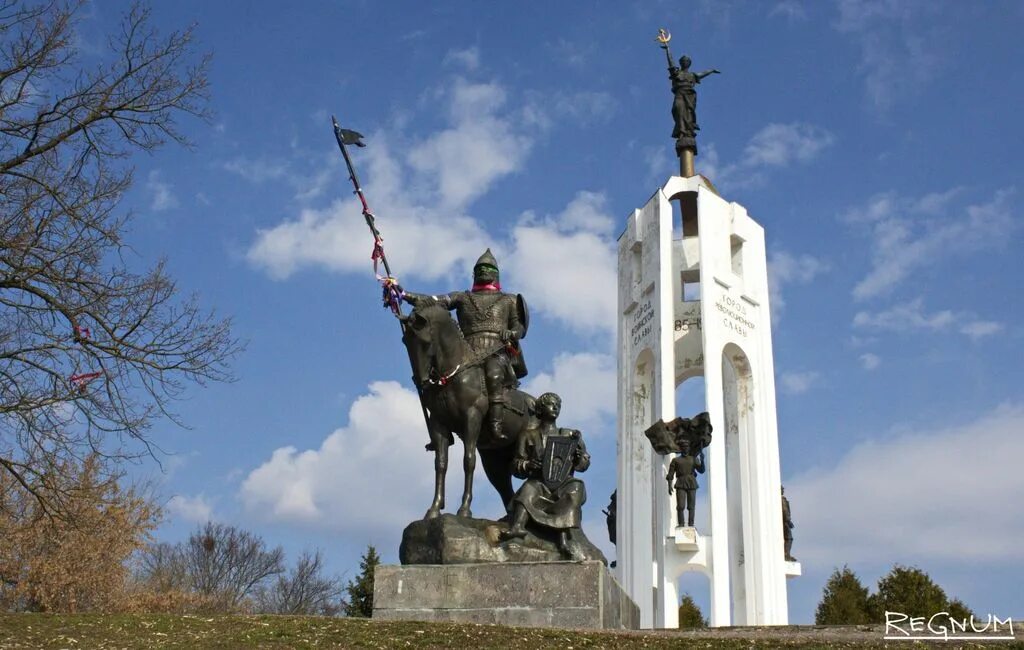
742, 551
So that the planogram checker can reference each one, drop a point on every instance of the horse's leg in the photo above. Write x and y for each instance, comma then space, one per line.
498, 467
473, 421
441, 444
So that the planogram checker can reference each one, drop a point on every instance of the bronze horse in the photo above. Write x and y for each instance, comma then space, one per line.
451, 382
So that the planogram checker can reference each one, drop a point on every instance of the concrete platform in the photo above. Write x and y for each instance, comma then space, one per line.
534, 594
793, 569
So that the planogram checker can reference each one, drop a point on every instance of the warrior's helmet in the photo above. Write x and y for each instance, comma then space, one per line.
486, 268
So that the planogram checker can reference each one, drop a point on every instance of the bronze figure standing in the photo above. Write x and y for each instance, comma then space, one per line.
787, 528
684, 107
684, 469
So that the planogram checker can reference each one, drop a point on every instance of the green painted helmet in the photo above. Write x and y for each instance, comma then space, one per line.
486, 261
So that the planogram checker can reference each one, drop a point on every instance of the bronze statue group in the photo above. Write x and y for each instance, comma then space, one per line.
467, 373
468, 378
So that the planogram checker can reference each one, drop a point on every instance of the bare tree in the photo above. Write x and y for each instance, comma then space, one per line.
304, 590
161, 568
90, 351
229, 564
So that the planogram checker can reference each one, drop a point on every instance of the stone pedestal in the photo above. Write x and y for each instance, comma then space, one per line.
535, 594
687, 538
449, 539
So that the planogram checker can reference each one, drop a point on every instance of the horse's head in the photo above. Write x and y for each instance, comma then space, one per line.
417, 335
434, 341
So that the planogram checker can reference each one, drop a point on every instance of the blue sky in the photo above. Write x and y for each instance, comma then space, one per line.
877, 142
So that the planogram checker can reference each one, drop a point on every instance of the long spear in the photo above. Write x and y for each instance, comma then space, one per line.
392, 293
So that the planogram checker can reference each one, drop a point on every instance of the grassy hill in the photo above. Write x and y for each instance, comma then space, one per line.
194, 632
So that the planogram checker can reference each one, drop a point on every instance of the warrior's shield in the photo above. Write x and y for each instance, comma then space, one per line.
516, 357
559, 458
523, 312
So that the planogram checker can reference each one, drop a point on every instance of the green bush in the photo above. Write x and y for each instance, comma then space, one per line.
690, 615
360, 590
910, 591
845, 600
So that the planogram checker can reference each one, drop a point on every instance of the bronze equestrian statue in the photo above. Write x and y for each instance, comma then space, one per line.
490, 326
492, 323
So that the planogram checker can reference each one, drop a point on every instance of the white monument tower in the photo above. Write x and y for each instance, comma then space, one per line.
693, 301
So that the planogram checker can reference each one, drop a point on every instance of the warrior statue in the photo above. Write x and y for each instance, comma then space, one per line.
610, 518
492, 323
787, 528
684, 469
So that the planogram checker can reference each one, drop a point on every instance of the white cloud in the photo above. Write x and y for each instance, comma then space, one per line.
915, 494
579, 108
981, 328
785, 268
797, 383
163, 196
899, 48
461, 162
566, 265
906, 234
855, 15
661, 164
195, 509
317, 171
468, 58
775, 145
574, 54
329, 487
936, 202
862, 341
778, 145
587, 211
257, 170
586, 383
878, 208
707, 163
905, 316
338, 239
422, 196
870, 360
908, 316
791, 10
